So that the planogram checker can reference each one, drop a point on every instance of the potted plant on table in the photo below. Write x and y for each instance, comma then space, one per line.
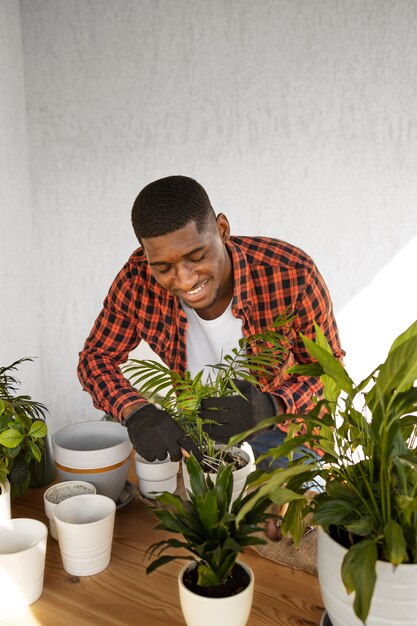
22, 433
255, 361
367, 512
215, 587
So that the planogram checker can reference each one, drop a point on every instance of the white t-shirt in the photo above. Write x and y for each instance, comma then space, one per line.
208, 341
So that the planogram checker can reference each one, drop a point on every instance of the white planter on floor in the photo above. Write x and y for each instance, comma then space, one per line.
156, 476
394, 602
239, 475
5, 510
201, 611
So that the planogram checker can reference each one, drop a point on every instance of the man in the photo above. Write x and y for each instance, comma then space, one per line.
191, 291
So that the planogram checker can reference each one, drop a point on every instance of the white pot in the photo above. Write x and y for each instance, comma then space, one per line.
22, 562
201, 611
5, 510
156, 476
97, 452
239, 475
59, 492
85, 527
394, 602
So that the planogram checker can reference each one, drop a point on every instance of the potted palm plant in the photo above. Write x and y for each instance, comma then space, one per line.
22, 435
214, 586
367, 512
255, 360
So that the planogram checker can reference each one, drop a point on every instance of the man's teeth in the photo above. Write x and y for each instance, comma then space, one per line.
192, 293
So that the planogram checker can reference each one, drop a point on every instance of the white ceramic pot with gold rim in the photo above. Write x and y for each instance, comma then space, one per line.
97, 452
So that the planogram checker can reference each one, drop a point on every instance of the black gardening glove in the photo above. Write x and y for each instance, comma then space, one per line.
235, 414
154, 434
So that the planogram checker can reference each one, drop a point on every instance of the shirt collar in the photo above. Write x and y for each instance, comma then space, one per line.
242, 281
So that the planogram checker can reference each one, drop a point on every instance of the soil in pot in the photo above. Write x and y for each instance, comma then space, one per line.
238, 581
229, 458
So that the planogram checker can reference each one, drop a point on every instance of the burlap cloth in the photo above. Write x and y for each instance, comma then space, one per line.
283, 551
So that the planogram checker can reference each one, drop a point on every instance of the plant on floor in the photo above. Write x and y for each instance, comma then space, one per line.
367, 432
254, 360
22, 430
208, 523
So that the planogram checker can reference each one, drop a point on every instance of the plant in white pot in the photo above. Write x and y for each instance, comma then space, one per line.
215, 588
22, 434
367, 513
255, 360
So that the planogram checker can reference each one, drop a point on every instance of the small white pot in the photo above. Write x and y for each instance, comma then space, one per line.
5, 510
59, 492
239, 475
394, 602
201, 611
22, 562
156, 476
85, 527
97, 452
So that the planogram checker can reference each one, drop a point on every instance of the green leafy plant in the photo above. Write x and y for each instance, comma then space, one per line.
255, 360
208, 522
367, 432
22, 430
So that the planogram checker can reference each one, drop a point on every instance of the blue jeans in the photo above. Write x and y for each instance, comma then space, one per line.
272, 439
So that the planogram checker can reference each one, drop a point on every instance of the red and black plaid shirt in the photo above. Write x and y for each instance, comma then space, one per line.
270, 277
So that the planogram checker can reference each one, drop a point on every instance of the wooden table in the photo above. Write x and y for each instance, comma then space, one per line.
124, 595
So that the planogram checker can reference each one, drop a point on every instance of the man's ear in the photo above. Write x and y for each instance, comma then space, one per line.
223, 227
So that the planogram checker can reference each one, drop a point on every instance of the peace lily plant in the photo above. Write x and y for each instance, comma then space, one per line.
367, 433
22, 430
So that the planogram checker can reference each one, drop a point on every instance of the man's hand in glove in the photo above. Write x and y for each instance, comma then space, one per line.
235, 414
154, 434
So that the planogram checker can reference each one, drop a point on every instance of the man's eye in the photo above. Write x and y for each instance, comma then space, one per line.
164, 270
200, 258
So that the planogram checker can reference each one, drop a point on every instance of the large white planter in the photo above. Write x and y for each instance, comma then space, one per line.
97, 452
394, 602
5, 510
201, 611
239, 475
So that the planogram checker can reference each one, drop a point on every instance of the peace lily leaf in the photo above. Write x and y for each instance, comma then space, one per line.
395, 548
331, 366
358, 575
410, 332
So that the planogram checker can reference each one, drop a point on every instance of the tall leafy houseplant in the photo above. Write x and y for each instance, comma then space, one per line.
368, 434
22, 430
255, 360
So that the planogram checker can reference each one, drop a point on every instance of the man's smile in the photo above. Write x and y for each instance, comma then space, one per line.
197, 290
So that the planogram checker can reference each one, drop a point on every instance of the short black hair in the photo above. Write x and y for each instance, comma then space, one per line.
168, 204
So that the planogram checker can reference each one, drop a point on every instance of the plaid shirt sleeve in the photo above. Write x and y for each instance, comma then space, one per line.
112, 337
313, 305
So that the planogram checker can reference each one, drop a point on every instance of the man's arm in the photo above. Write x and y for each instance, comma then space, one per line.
111, 339
314, 305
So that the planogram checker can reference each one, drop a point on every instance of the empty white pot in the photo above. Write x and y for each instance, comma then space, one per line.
85, 533
97, 452
156, 476
22, 561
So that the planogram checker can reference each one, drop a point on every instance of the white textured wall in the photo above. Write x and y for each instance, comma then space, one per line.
19, 306
299, 118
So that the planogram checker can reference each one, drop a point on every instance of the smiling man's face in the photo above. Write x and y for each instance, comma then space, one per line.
194, 266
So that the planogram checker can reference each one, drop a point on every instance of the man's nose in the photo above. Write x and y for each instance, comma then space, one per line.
185, 277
